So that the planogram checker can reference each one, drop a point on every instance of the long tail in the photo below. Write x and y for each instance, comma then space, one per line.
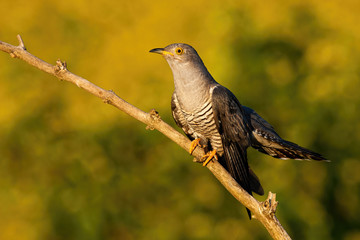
266, 140
235, 161
288, 150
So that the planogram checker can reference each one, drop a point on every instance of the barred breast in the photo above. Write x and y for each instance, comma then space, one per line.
201, 122
198, 123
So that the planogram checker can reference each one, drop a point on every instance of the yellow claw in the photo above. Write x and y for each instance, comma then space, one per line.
194, 144
210, 155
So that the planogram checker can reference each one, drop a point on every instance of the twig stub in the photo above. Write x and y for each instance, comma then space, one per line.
60, 66
270, 204
21, 42
155, 117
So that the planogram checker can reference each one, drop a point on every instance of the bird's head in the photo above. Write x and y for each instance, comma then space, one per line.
178, 54
184, 61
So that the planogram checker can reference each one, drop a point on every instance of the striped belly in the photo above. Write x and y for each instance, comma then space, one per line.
202, 122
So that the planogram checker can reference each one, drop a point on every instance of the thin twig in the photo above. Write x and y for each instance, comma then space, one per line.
263, 211
21, 42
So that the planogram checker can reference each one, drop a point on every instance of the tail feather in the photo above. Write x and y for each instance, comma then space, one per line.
235, 161
266, 140
289, 150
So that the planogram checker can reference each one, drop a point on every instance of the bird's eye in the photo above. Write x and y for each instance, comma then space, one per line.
179, 51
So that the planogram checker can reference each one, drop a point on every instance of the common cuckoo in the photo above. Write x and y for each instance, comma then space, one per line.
213, 118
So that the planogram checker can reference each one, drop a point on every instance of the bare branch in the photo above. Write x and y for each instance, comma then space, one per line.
263, 211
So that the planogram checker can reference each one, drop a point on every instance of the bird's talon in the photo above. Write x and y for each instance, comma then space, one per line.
194, 144
210, 155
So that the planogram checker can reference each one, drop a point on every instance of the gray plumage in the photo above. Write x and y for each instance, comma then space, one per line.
204, 109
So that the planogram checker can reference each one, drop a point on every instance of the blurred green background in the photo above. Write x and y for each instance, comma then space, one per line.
72, 167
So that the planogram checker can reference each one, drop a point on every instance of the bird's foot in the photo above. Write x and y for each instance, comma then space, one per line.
209, 155
194, 144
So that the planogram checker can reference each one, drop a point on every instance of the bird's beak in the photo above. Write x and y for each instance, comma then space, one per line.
161, 51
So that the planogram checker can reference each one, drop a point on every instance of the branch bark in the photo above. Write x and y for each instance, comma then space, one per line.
263, 211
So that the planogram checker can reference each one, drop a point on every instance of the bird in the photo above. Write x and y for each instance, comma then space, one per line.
213, 118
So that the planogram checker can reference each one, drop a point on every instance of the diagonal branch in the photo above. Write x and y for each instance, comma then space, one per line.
263, 211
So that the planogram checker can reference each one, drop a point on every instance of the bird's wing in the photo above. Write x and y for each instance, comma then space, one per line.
266, 140
179, 117
234, 131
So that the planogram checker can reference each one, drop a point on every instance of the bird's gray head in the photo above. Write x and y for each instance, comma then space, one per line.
184, 61
179, 53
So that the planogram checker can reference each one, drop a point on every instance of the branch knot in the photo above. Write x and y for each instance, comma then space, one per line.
60, 66
108, 98
270, 204
13, 54
155, 117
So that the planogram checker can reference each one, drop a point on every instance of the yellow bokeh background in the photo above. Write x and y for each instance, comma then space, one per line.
72, 167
